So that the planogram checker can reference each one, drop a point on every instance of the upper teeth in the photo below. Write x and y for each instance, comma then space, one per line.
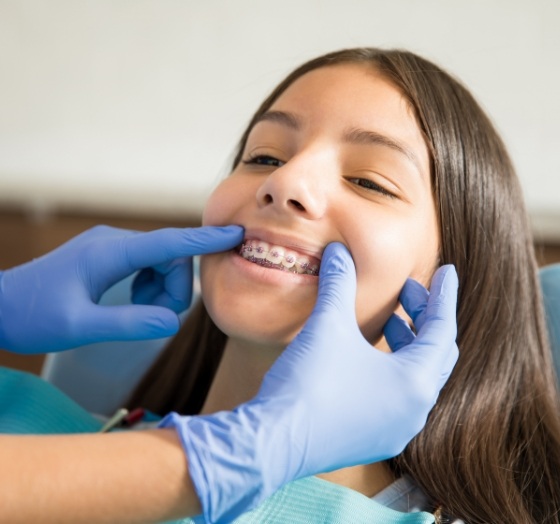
279, 257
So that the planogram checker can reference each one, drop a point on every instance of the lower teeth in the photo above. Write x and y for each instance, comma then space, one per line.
303, 269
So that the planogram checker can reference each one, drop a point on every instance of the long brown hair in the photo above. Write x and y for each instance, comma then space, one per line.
490, 451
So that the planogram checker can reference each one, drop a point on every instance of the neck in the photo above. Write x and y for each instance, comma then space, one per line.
239, 375
238, 379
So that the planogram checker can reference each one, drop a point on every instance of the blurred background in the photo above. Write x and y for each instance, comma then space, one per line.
126, 111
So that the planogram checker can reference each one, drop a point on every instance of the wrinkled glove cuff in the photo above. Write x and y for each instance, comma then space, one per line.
236, 458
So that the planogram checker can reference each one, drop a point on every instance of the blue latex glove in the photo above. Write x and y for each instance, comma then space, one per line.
330, 400
50, 304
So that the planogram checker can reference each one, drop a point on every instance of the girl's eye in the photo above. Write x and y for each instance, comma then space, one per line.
264, 160
371, 186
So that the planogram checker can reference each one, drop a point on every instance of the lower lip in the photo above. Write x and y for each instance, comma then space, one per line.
270, 274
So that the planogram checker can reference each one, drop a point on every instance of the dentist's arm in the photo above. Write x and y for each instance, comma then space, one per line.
132, 477
50, 304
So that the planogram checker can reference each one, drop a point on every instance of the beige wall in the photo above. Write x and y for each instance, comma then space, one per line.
129, 106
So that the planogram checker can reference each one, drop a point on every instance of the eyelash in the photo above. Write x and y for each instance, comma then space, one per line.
369, 185
264, 160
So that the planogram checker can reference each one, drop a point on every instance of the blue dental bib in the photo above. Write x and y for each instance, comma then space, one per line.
316, 501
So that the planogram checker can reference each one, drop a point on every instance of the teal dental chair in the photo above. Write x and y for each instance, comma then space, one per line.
99, 377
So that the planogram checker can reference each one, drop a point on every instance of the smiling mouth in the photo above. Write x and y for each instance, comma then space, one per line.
278, 257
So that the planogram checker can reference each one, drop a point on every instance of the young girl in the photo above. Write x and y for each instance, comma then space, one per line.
386, 153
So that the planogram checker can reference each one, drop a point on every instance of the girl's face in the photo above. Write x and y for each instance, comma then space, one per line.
338, 157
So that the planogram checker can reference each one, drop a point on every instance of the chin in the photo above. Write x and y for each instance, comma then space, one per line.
255, 323
255, 330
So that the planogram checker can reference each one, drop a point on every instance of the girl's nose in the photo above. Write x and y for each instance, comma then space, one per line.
294, 189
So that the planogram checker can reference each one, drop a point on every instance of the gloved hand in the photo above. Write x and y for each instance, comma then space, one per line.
330, 400
50, 304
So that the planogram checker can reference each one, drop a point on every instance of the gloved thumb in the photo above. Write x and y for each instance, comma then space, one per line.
337, 282
129, 322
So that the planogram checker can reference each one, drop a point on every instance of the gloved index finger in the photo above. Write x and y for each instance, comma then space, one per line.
414, 298
163, 245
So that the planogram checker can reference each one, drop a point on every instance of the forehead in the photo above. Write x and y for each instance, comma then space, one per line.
348, 90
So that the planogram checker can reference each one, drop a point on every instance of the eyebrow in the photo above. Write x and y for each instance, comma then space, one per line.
280, 117
365, 137
351, 136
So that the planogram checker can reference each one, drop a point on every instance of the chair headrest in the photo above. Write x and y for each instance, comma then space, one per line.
550, 283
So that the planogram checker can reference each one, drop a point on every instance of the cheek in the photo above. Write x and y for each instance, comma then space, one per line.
383, 263
222, 204
379, 281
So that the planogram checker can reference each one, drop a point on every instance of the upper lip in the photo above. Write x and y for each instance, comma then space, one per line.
288, 241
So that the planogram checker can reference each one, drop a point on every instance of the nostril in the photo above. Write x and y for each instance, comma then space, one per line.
268, 199
296, 204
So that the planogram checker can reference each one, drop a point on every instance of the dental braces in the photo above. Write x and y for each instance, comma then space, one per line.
259, 255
